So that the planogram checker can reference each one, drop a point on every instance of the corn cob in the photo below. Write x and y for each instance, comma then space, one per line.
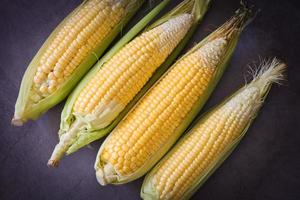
210, 141
157, 121
68, 53
115, 92
94, 108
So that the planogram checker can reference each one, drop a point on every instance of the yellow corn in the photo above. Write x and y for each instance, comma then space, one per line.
199, 150
202, 145
159, 118
124, 74
78, 37
155, 118
68, 53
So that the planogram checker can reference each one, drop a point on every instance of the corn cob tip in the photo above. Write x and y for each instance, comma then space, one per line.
243, 16
53, 163
254, 93
269, 71
106, 175
16, 121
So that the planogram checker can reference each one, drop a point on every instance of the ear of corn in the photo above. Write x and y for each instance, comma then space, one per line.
116, 83
195, 157
68, 53
161, 116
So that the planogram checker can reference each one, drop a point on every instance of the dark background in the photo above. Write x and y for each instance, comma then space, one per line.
266, 165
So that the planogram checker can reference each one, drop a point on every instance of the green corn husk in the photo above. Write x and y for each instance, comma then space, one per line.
231, 30
90, 134
25, 109
269, 73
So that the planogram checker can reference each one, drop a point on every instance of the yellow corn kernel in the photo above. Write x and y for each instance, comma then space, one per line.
155, 118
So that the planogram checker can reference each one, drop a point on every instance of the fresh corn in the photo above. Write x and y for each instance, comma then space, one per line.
69, 52
96, 105
157, 121
124, 74
210, 141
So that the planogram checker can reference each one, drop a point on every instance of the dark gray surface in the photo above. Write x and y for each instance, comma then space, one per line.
266, 164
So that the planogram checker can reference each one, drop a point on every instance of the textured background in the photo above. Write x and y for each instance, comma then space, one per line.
265, 165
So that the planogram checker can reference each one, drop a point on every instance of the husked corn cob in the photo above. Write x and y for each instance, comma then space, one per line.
82, 34
124, 74
183, 170
153, 121
108, 90
156, 122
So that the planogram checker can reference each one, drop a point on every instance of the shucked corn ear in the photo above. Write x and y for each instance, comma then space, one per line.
95, 106
194, 158
161, 116
69, 52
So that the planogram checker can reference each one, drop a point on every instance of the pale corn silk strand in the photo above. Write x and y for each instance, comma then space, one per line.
207, 140
121, 78
81, 33
151, 124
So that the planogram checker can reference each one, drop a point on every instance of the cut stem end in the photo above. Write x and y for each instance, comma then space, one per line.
53, 163
16, 121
